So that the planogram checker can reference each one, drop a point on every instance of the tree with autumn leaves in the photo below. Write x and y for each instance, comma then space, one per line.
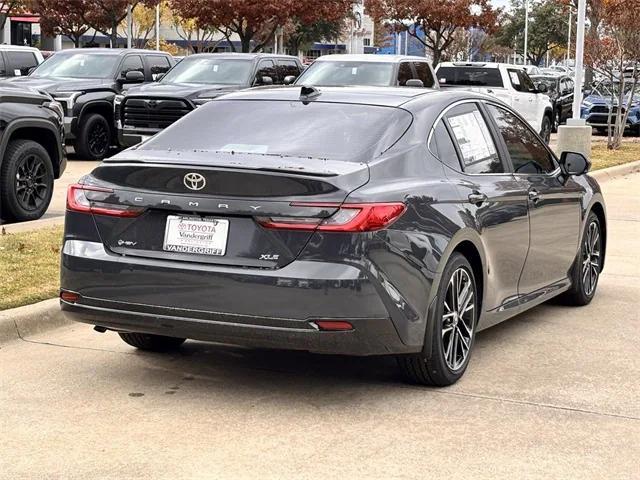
434, 23
615, 53
255, 22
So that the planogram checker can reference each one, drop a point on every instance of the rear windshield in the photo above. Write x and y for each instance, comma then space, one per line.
333, 131
470, 76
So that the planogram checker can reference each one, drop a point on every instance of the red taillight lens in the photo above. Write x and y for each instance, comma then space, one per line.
333, 325
70, 297
350, 217
77, 201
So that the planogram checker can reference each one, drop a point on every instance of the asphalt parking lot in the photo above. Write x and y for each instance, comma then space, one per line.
552, 393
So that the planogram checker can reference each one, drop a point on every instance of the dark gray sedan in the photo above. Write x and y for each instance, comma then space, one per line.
359, 221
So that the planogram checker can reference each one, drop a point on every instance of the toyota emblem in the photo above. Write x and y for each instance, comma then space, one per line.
194, 181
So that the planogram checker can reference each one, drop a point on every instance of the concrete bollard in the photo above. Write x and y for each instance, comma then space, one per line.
575, 136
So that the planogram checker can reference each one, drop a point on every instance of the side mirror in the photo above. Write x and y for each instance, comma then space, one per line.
289, 79
542, 87
573, 163
159, 76
414, 82
134, 76
30, 71
265, 81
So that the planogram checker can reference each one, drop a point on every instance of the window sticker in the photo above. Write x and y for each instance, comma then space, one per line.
514, 78
473, 137
215, 67
354, 71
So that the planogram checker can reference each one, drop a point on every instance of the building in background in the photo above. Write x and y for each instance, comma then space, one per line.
24, 29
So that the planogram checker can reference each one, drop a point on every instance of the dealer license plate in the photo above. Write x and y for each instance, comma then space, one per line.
202, 236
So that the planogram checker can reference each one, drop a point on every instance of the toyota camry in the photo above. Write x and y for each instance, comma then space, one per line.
339, 220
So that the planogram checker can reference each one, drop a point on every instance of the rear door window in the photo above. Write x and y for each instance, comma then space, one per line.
288, 67
3, 70
133, 63
158, 64
21, 62
267, 68
424, 73
474, 141
404, 73
469, 76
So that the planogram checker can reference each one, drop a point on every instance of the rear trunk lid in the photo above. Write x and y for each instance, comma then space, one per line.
216, 197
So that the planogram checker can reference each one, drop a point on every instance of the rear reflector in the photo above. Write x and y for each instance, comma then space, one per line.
78, 201
350, 217
70, 297
333, 325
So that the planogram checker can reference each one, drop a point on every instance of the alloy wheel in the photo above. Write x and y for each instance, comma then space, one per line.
591, 258
31, 186
98, 140
458, 319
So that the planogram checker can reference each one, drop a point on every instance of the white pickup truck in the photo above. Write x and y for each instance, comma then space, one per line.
509, 83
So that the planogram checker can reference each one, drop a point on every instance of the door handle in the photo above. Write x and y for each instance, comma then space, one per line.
477, 198
534, 196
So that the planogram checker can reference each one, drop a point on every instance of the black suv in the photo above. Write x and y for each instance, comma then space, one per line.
560, 91
85, 82
31, 152
145, 110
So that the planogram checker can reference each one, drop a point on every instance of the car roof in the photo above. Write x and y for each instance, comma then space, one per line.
480, 65
110, 51
18, 47
379, 96
369, 58
237, 55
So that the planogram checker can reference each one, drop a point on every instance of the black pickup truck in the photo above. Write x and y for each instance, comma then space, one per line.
31, 152
85, 82
145, 110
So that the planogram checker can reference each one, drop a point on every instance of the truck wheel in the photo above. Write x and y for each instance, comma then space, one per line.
152, 343
94, 139
26, 181
557, 120
545, 131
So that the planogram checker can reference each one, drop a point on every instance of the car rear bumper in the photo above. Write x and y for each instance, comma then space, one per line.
375, 336
251, 307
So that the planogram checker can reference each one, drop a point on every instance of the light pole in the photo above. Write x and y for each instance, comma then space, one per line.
577, 96
575, 136
569, 37
526, 31
158, 27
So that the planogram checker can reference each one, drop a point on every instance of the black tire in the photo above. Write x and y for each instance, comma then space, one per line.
557, 121
94, 138
545, 130
26, 181
435, 370
583, 287
152, 343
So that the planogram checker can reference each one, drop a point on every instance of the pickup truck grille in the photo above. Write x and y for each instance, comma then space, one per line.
604, 109
152, 113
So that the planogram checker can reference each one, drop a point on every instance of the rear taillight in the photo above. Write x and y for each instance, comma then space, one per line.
349, 217
90, 199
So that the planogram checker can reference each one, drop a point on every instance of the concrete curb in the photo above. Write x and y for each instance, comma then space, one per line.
22, 322
610, 173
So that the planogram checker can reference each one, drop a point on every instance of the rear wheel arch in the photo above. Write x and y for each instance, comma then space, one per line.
472, 254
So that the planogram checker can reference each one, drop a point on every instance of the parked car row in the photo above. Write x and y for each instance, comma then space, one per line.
118, 98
